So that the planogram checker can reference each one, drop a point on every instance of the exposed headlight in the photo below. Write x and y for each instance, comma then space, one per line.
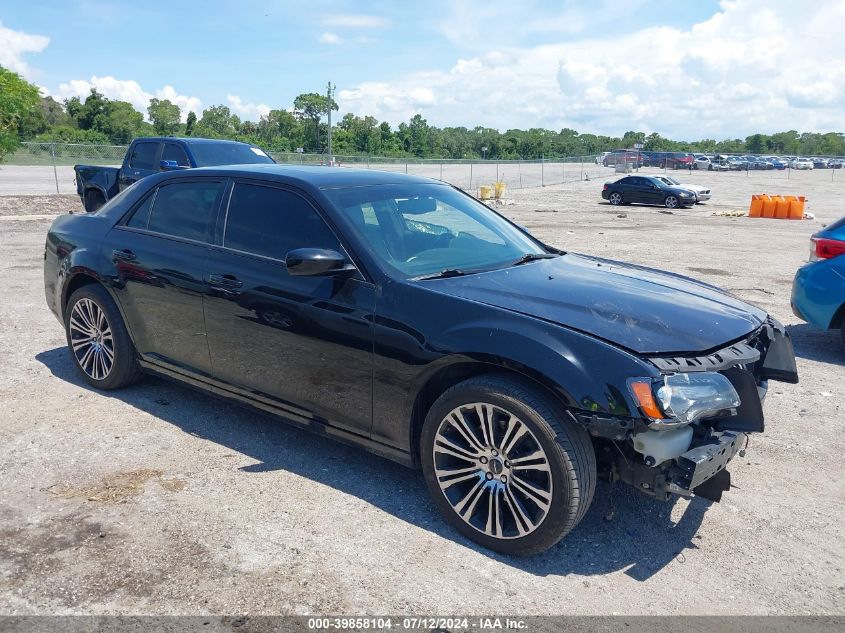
684, 398
689, 397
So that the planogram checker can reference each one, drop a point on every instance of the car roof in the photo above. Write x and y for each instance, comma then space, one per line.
190, 140
320, 177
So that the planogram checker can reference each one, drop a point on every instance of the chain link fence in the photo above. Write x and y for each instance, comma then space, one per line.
47, 168
57, 159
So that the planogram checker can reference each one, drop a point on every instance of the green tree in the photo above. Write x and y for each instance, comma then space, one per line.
419, 136
53, 112
312, 106
217, 121
20, 104
190, 122
756, 143
166, 116
85, 113
119, 121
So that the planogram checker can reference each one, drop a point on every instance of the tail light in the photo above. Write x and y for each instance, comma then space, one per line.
605, 187
825, 248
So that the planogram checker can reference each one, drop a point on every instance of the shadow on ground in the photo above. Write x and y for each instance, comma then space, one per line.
623, 530
824, 346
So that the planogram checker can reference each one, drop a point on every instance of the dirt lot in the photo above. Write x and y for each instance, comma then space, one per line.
159, 499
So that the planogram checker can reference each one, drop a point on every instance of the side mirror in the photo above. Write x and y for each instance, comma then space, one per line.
168, 165
313, 262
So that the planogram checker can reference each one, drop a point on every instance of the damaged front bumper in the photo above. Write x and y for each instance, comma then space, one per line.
765, 355
701, 470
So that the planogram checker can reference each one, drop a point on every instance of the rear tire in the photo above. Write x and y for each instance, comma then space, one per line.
615, 198
98, 341
94, 199
518, 507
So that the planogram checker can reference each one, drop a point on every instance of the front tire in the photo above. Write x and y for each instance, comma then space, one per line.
615, 198
671, 202
505, 466
98, 340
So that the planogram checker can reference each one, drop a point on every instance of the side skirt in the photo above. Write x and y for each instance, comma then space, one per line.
318, 427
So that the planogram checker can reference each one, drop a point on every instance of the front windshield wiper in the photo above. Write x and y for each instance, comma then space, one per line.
444, 274
531, 257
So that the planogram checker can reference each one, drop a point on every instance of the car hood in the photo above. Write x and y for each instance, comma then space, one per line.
695, 188
641, 309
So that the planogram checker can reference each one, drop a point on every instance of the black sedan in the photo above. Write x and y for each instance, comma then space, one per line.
647, 190
402, 315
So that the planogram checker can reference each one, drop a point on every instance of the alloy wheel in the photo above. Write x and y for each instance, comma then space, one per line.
492, 470
615, 198
91, 339
671, 202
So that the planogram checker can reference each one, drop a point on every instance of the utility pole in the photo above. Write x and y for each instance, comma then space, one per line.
329, 93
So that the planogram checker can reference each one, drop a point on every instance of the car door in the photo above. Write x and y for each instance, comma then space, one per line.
300, 343
652, 192
636, 188
142, 161
156, 256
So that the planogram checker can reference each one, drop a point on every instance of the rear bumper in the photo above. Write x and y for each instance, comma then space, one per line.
818, 291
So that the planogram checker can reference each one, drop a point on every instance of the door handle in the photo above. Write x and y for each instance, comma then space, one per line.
124, 255
225, 281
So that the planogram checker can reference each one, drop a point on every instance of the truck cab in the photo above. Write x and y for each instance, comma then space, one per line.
97, 184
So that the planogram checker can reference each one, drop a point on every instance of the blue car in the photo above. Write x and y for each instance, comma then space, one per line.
818, 292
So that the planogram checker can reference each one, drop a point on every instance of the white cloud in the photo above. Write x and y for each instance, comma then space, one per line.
128, 90
330, 38
355, 21
750, 67
15, 44
247, 111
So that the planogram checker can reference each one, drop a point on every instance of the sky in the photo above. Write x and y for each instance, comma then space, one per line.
687, 69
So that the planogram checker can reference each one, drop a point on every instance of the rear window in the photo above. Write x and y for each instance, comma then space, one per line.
183, 209
211, 154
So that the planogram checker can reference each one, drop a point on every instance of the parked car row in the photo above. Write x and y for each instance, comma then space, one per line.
713, 162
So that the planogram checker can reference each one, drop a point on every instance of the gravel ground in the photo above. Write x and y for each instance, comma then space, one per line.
159, 499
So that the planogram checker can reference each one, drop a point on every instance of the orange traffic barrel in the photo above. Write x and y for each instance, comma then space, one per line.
781, 207
796, 208
756, 207
769, 205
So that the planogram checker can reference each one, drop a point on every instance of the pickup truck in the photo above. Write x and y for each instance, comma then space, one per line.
147, 156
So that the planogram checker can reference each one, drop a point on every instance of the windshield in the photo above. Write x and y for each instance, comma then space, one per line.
211, 154
422, 230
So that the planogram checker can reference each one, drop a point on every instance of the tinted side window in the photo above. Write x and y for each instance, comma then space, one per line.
185, 209
143, 155
271, 222
175, 152
141, 215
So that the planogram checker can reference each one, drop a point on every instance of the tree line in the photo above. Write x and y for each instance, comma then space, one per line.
25, 115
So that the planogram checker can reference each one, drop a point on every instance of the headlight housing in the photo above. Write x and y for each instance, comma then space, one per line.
681, 399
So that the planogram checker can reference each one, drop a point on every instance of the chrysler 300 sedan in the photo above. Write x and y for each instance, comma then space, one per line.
402, 315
